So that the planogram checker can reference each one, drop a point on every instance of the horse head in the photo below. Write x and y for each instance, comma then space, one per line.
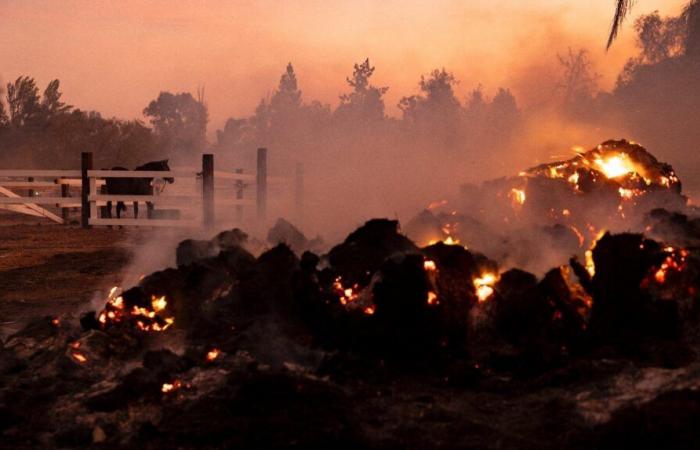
166, 168
158, 166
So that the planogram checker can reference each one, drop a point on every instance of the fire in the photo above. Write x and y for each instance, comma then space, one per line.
517, 196
345, 294
675, 261
436, 204
484, 286
615, 166
429, 265
590, 264
145, 319
369, 310
449, 240
432, 298
79, 357
170, 387
158, 303
213, 354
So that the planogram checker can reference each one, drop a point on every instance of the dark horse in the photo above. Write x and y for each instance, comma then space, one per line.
135, 186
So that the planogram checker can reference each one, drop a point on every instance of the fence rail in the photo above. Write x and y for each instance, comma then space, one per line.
93, 194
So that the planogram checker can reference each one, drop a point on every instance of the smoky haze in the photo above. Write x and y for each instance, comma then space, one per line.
451, 93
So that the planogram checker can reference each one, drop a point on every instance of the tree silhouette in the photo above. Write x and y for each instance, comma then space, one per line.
179, 121
23, 101
437, 100
365, 101
51, 103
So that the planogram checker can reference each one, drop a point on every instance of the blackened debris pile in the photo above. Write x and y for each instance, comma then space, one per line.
343, 350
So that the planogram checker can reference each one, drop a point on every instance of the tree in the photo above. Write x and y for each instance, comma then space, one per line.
692, 18
437, 101
51, 103
179, 121
579, 81
3, 112
23, 101
365, 101
286, 101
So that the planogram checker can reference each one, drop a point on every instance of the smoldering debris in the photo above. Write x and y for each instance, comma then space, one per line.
227, 345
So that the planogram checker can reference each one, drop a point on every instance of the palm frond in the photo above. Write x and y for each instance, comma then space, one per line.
621, 10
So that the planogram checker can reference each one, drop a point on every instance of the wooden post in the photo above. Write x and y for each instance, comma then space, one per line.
64, 194
208, 189
85, 165
240, 186
31, 192
299, 193
261, 179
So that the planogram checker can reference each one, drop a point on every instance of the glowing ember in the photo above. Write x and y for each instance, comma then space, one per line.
144, 318
79, 357
432, 298
429, 265
436, 204
55, 322
590, 265
213, 354
484, 286
170, 387
675, 261
158, 303
517, 196
346, 294
451, 241
369, 310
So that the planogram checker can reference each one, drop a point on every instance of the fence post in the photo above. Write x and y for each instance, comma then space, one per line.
85, 165
299, 193
64, 194
208, 188
240, 186
261, 179
31, 192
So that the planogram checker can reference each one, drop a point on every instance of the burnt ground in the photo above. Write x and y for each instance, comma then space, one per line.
45, 267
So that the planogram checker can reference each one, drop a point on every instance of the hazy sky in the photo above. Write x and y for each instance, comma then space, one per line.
115, 56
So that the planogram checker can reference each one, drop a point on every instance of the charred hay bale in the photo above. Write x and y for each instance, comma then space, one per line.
673, 227
237, 260
191, 250
424, 227
230, 239
365, 249
456, 268
622, 310
283, 232
519, 310
408, 323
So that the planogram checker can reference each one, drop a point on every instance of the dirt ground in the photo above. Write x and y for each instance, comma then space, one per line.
47, 268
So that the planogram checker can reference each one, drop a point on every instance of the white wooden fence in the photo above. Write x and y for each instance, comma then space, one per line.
196, 199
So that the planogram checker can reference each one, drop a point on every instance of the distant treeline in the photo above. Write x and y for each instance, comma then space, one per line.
656, 101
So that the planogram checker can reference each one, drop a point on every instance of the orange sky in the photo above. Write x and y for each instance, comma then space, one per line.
115, 56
